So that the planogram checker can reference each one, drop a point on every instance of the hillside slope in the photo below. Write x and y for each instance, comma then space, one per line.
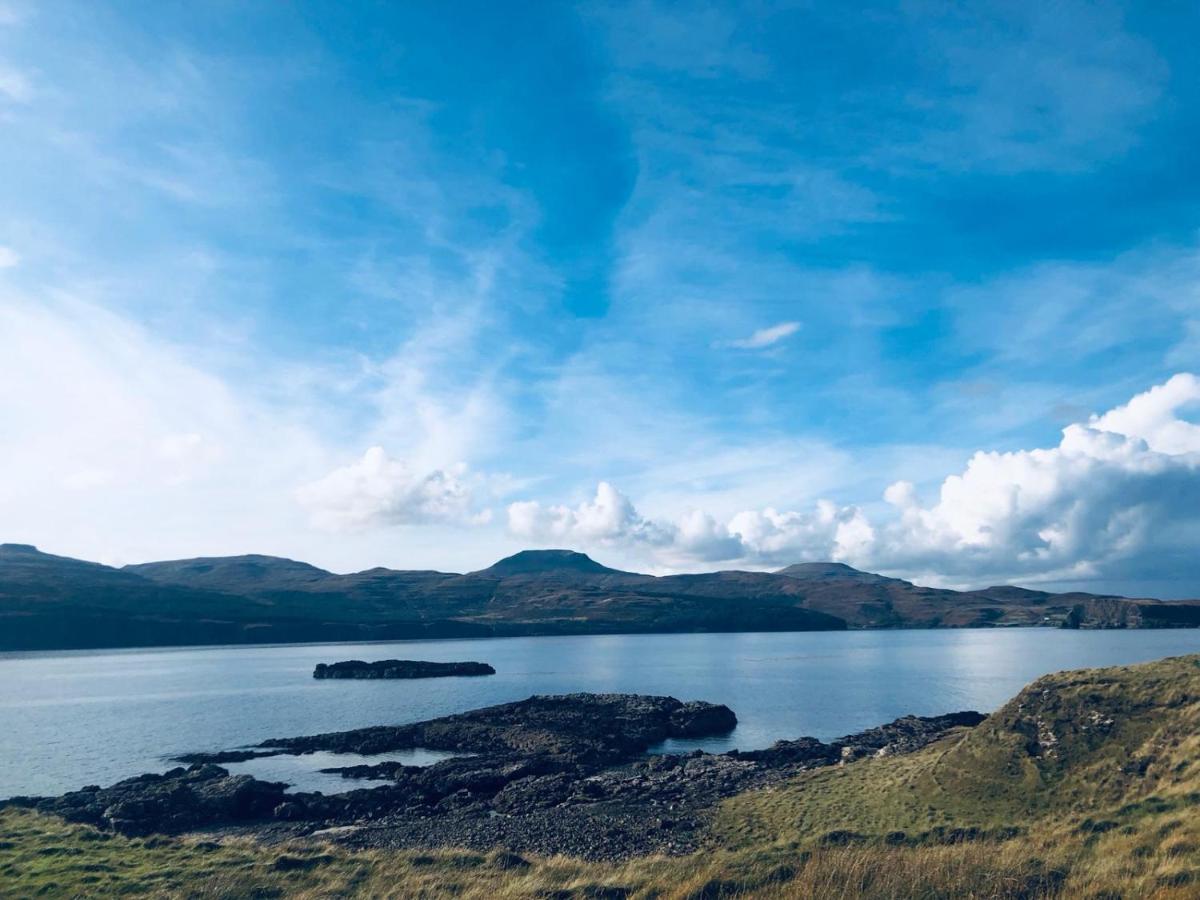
49, 602
1097, 745
55, 602
564, 590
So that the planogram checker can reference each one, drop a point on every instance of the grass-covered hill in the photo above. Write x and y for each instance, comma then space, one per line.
1099, 746
52, 602
1086, 784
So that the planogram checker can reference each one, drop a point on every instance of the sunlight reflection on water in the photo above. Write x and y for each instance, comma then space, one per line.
74, 718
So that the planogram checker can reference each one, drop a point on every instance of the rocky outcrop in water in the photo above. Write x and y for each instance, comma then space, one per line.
904, 735
399, 668
588, 729
179, 800
563, 774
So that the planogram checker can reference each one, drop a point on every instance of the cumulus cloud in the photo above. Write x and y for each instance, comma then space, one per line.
8, 257
760, 537
1154, 417
766, 337
608, 518
380, 490
1117, 499
828, 531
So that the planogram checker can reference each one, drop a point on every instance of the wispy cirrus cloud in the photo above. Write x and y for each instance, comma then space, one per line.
765, 337
107, 422
335, 241
15, 86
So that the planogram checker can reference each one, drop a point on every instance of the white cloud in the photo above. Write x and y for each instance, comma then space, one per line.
765, 337
608, 518
116, 443
1152, 416
826, 532
121, 447
760, 537
8, 257
15, 86
1118, 499
378, 490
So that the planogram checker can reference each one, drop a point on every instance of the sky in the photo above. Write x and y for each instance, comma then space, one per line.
910, 286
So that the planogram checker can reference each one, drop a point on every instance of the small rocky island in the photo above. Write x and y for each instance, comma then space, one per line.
399, 668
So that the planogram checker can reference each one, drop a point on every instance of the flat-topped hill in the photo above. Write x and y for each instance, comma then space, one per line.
541, 562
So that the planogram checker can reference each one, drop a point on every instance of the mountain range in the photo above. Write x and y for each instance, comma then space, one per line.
55, 602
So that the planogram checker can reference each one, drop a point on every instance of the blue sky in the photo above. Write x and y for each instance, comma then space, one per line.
684, 286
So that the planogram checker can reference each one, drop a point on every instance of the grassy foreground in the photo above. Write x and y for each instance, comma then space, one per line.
1084, 785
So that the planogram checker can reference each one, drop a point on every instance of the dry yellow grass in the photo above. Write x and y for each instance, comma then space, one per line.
1156, 856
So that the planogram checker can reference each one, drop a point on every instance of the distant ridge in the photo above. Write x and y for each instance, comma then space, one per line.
19, 548
226, 573
29, 555
815, 571
55, 602
544, 561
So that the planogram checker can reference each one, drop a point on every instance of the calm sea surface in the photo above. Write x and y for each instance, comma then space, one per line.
73, 718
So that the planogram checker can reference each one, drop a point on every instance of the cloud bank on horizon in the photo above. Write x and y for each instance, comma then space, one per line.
1118, 496
725, 288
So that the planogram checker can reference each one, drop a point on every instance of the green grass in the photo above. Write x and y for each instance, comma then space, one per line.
1113, 737
1107, 808
1153, 854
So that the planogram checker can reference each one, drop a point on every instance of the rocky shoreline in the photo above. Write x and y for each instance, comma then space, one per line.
563, 774
400, 668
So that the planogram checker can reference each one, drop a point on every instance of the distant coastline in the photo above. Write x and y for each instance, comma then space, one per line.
52, 602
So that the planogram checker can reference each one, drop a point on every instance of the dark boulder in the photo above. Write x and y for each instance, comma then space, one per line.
178, 800
803, 752
701, 719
